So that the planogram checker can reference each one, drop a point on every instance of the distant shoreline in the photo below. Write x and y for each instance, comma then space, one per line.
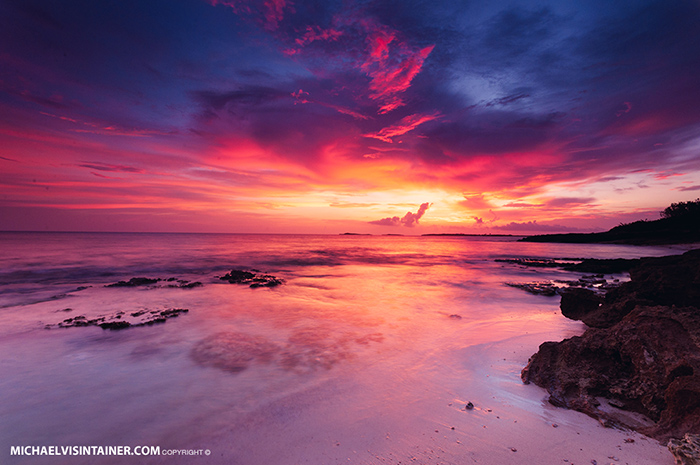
437, 234
471, 235
664, 231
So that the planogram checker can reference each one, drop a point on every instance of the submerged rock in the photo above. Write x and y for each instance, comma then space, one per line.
133, 282
537, 288
141, 281
534, 262
638, 365
233, 351
307, 349
596, 282
252, 279
120, 320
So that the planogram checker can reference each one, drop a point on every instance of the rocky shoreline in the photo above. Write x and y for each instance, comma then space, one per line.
123, 319
638, 364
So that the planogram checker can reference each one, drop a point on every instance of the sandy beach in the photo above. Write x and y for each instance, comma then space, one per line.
510, 423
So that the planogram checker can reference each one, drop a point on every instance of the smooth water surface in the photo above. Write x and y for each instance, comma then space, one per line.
367, 354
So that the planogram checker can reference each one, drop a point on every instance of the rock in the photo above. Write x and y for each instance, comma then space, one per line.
537, 288
114, 325
576, 303
133, 282
648, 363
252, 279
238, 276
120, 320
173, 312
687, 450
604, 266
534, 262
641, 353
469, 406
265, 281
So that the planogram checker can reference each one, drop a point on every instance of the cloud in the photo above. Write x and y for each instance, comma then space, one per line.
511, 101
409, 220
476, 202
392, 75
567, 202
406, 124
627, 108
244, 96
267, 13
521, 205
314, 33
352, 205
689, 188
110, 167
508, 99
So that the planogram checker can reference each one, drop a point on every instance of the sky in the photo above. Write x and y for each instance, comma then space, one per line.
381, 117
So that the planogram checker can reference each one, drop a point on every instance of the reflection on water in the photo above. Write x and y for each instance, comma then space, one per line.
307, 349
363, 327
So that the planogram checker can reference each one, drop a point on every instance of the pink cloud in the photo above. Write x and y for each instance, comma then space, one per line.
314, 33
406, 124
303, 97
389, 62
391, 65
409, 220
269, 14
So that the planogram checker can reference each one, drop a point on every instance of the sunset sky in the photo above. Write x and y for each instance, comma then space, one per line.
324, 116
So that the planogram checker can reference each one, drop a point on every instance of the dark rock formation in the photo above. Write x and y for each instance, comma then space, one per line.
537, 288
641, 355
577, 303
120, 320
252, 279
597, 282
133, 282
607, 266
141, 281
533, 262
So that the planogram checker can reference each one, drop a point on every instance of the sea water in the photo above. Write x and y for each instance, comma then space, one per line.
367, 353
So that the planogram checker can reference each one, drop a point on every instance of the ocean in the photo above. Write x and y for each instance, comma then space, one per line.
368, 352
